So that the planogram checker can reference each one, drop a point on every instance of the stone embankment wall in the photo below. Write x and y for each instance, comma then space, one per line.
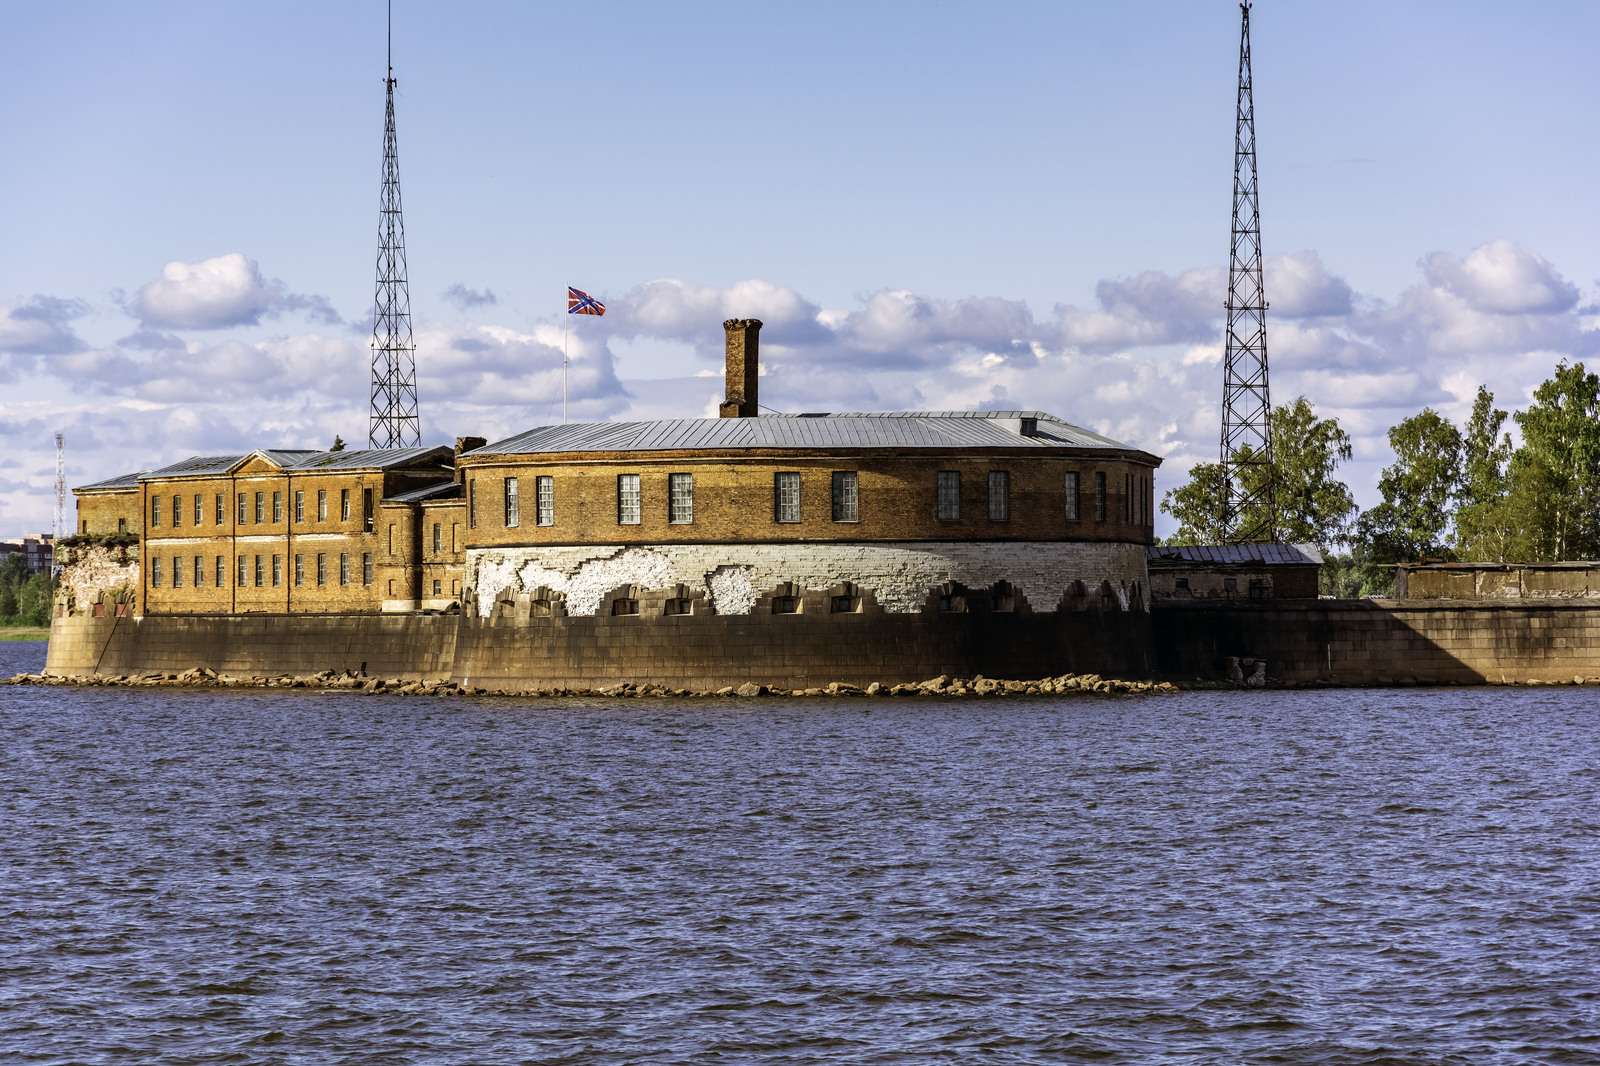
693, 651
732, 576
1377, 642
400, 646
1498, 581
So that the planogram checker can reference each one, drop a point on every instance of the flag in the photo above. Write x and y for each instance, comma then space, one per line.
581, 303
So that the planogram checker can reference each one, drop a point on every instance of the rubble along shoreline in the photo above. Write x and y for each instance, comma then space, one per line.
944, 685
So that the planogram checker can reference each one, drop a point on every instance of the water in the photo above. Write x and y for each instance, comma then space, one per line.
1334, 877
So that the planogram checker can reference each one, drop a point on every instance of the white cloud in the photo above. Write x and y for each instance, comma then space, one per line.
40, 325
1501, 278
216, 293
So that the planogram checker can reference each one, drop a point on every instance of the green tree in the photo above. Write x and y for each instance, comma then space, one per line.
1197, 505
1555, 475
1313, 505
338, 443
1483, 529
1419, 490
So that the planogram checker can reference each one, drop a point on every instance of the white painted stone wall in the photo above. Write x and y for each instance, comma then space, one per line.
732, 575
96, 570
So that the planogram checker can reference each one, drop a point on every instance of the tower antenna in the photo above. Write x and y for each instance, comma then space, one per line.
393, 421
60, 529
1249, 512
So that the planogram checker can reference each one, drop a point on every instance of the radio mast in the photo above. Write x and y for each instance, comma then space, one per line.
1249, 514
393, 421
60, 529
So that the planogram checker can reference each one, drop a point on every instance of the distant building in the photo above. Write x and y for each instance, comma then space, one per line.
1233, 571
38, 549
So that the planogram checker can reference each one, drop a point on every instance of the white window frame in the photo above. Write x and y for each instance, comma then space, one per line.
680, 499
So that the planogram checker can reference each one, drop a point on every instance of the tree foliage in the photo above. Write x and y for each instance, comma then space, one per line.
24, 599
1313, 505
1420, 492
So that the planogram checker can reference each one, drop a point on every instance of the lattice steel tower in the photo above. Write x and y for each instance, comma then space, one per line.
393, 422
1249, 513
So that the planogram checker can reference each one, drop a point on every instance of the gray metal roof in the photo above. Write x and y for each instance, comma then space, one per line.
891, 429
445, 490
296, 459
125, 481
1236, 554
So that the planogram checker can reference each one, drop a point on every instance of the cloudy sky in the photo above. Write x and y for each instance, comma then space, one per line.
930, 206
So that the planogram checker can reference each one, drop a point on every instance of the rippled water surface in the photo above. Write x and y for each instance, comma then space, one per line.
1331, 877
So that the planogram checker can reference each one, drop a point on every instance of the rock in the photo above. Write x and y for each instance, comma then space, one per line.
1016, 686
725, 690
874, 688
936, 684
750, 688
984, 687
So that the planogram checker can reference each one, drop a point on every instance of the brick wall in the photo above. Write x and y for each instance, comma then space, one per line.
103, 511
733, 498
1382, 641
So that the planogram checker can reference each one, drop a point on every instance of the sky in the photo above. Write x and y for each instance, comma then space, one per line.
930, 205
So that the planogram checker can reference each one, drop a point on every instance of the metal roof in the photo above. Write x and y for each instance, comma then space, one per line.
890, 429
443, 491
295, 459
126, 481
1236, 554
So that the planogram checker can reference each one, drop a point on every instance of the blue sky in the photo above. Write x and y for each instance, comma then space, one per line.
931, 205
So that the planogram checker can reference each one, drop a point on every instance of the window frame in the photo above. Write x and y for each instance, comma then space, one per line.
277, 507
177, 512
155, 571
177, 571
322, 570
299, 506
786, 497
1099, 495
1070, 485
222, 571
199, 571
261, 508
845, 505
680, 490
344, 569
1000, 496
544, 500
299, 571
244, 571
222, 509
630, 485
244, 509
344, 505
512, 496
155, 517
366, 569
947, 503
322, 505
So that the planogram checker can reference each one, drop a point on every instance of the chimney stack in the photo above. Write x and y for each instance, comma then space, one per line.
743, 367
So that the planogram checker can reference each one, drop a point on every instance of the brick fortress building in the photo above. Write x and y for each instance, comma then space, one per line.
891, 545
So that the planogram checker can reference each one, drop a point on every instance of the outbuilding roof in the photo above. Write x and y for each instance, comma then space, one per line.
889, 429
114, 484
296, 459
1235, 554
444, 490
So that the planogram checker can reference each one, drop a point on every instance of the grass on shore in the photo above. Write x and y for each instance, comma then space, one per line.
24, 632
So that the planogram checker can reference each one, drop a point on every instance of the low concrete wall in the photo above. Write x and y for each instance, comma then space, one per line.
404, 646
683, 651
1368, 642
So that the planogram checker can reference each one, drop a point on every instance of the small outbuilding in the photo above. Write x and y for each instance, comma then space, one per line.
1181, 572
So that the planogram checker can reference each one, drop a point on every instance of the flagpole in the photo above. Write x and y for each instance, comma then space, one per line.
566, 320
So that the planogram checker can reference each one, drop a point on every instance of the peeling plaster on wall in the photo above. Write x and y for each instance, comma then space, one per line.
95, 570
899, 574
731, 591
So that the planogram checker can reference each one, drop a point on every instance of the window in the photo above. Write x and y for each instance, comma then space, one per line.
277, 507
122, 525
322, 505
628, 499
512, 517
222, 510
785, 605
1072, 496
155, 573
344, 568
299, 570
261, 507
438, 538
844, 604
366, 510
845, 497
622, 606
222, 572
199, 571
322, 569
177, 511
366, 568
199, 509
1099, 495
85, 525
786, 497
277, 571
455, 536
680, 605
244, 509
344, 505
1230, 584
949, 496
1181, 583
155, 512
244, 571
177, 571
680, 499
999, 496
544, 500
472, 503
437, 586
261, 572
299, 505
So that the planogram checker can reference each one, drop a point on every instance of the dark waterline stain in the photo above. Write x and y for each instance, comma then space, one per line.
1331, 877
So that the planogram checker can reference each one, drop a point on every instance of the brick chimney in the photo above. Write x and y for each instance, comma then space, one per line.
464, 444
743, 367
